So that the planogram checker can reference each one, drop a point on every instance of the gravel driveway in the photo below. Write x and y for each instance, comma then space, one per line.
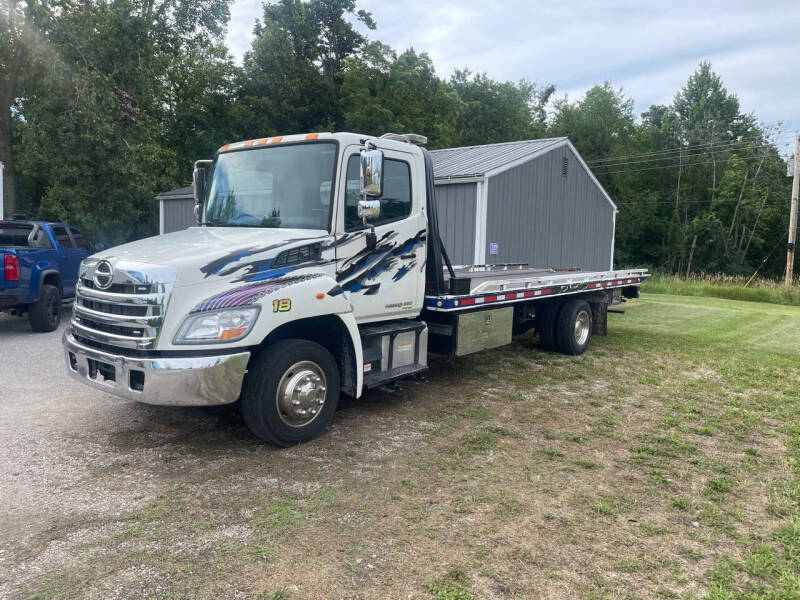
62, 445
78, 466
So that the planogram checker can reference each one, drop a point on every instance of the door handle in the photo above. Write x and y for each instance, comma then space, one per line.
407, 256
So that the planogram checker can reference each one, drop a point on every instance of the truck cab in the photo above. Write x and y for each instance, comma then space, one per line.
314, 264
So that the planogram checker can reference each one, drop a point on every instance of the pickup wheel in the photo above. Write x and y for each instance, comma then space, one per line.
548, 318
45, 314
290, 392
574, 327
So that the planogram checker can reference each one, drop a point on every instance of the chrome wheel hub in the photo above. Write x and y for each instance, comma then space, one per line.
582, 327
301, 393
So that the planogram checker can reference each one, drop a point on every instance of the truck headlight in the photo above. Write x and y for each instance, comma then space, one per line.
217, 326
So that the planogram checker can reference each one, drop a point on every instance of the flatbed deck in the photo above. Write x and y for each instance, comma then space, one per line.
477, 286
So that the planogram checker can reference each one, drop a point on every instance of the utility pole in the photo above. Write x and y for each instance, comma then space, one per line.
793, 214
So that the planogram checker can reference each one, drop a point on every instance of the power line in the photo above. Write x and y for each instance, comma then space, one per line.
680, 149
778, 135
682, 202
673, 154
715, 151
674, 166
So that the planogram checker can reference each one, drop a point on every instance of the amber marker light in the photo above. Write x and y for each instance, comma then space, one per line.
229, 334
320, 295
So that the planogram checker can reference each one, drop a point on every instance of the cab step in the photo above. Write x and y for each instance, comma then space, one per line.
394, 350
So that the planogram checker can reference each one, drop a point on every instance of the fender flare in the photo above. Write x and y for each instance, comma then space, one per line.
349, 321
44, 274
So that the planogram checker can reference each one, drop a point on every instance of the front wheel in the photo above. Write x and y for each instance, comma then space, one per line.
290, 392
45, 314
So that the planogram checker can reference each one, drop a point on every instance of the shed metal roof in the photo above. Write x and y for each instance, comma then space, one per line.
477, 161
179, 194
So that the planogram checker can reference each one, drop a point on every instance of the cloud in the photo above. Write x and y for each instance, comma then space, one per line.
240, 29
649, 49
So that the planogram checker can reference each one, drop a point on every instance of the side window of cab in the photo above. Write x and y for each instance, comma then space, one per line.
396, 199
81, 243
62, 237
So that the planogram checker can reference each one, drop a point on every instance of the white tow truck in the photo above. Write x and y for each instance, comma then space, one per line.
316, 268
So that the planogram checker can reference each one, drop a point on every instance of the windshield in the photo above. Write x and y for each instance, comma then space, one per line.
277, 186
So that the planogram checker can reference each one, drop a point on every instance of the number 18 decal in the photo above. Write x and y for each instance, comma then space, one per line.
282, 305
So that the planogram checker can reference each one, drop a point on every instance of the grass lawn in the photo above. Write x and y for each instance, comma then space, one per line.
664, 463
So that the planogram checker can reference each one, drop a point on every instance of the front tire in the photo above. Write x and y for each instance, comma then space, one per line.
45, 314
290, 392
574, 327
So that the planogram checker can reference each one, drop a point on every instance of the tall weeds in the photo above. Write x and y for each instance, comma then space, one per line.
731, 287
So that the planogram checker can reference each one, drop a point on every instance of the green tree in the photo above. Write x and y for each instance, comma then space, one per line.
496, 111
383, 92
93, 134
710, 181
22, 55
600, 125
294, 68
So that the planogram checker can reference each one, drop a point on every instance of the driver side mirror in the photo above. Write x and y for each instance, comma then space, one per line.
372, 173
199, 185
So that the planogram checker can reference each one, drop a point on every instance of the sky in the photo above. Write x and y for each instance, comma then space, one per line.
647, 48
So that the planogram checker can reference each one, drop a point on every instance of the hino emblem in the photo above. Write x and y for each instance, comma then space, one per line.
103, 275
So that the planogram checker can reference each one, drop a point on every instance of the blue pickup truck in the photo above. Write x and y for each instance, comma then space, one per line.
40, 263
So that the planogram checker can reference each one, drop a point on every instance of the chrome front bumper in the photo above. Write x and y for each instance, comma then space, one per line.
193, 381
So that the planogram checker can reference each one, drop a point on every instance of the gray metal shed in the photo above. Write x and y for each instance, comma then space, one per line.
175, 210
533, 202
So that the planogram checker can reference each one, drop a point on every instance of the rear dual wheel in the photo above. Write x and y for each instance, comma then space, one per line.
566, 326
574, 327
548, 318
290, 392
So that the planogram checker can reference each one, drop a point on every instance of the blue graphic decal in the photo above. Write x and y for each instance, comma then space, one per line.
270, 274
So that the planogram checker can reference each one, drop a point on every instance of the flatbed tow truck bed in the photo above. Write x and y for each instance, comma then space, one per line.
476, 286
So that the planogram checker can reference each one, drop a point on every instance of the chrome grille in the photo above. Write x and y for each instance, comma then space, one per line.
113, 309
120, 288
130, 313
137, 332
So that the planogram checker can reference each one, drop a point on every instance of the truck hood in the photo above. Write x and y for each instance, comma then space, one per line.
198, 253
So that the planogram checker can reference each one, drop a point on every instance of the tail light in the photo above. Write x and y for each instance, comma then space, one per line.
11, 267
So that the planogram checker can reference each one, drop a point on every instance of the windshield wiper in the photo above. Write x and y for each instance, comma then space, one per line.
218, 224
229, 224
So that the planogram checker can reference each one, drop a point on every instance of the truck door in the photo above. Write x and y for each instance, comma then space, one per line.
69, 260
385, 280
81, 243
